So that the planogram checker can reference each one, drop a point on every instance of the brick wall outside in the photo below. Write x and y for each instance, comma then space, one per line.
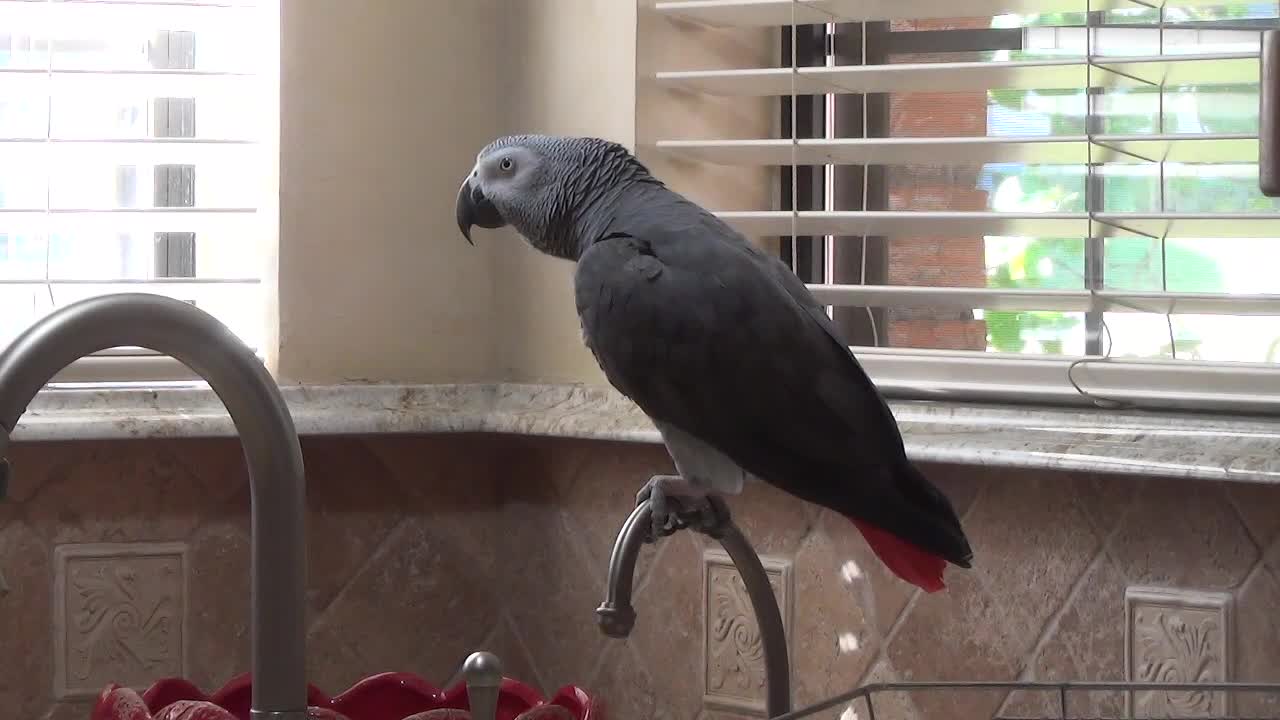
949, 261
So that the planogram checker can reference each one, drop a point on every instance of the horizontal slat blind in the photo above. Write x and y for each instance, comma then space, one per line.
1044, 200
135, 141
782, 13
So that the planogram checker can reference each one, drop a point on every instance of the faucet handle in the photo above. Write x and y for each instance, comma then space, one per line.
483, 674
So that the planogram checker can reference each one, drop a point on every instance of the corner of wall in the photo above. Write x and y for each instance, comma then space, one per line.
575, 76
378, 124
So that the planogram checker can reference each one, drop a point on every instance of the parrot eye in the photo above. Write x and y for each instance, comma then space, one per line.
506, 164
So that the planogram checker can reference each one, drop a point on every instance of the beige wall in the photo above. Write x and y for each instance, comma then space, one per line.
568, 68
383, 107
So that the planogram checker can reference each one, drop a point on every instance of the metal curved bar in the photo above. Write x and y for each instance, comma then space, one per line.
252, 398
616, 615
773, 636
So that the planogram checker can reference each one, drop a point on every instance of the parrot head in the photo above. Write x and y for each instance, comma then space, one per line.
538, 184
508, 186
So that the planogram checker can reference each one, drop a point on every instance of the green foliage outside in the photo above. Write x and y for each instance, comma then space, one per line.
1130, 263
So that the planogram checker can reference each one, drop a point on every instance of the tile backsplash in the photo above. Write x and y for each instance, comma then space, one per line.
128, 561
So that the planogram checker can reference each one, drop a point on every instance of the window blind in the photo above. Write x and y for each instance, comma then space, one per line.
135, 141
1013, 200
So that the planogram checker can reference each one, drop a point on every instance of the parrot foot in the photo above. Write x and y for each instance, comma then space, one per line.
675, 504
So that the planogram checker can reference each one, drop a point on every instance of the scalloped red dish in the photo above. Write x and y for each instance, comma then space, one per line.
385, 696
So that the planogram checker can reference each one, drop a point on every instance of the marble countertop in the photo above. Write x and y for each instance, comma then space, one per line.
1206, 447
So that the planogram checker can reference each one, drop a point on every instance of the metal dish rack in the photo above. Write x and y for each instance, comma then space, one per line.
616, 618
863, 699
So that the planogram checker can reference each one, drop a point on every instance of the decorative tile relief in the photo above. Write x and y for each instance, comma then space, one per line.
1177, 636
732, 653
119, 615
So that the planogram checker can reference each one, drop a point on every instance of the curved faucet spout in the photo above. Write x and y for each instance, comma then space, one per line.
616, 616
274, 457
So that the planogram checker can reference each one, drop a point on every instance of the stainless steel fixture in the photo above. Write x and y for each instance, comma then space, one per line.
617, 617
267, 434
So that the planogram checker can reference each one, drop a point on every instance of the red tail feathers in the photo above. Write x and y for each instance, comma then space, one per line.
905, 560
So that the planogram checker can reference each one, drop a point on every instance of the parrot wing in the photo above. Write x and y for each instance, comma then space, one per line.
706, 333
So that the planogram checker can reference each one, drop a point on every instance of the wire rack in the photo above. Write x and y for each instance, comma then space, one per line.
1038, 700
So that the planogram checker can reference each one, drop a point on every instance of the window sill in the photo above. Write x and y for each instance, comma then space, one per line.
1206, 447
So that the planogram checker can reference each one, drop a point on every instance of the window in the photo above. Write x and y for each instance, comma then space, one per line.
1035, 201
136, 147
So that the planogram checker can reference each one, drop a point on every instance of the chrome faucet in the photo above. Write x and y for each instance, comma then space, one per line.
252, 398
616, 616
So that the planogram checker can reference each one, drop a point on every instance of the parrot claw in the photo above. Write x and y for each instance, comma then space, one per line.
714, 517
675, 505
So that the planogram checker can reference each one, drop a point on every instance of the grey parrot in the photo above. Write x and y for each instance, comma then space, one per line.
719, 344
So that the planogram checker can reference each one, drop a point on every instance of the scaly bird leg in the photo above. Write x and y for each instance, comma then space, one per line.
676, 504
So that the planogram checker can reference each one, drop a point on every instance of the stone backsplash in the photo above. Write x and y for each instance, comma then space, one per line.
128, 560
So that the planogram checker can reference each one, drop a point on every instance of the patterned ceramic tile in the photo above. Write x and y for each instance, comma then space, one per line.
120, 615
1177, 636
733, 651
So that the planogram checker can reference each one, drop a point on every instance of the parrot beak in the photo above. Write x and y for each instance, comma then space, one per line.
475, 209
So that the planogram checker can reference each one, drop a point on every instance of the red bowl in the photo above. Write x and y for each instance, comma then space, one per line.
386, 696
